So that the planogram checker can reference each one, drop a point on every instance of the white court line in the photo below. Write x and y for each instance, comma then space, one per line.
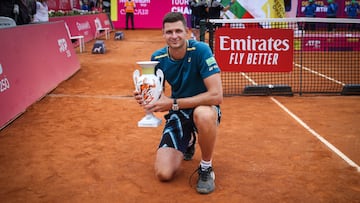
320, 74
305, 68
318, 136
248, 78
92, 96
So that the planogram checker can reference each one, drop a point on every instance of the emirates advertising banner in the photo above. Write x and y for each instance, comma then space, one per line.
254, 50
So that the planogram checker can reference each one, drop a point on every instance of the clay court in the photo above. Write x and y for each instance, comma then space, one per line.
81, 143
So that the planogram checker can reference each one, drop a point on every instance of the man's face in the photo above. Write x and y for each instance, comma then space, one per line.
175, 34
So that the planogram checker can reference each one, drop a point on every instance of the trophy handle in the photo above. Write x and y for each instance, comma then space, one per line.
136, 75
160, 75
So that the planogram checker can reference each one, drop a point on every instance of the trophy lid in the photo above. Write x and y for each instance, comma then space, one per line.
147, 66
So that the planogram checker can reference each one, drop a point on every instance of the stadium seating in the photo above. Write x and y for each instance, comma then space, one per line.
100, 29
75, 38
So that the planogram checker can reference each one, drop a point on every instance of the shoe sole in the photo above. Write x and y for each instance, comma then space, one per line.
188, 157
204, 191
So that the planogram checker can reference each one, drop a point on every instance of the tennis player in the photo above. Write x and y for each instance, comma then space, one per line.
193, 107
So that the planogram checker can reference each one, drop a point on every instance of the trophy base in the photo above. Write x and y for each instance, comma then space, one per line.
149, 121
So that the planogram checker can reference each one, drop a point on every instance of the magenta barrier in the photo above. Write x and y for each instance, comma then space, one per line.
84, 24
147, 15
34, 59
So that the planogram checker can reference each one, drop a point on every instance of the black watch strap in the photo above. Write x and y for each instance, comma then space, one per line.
175, 106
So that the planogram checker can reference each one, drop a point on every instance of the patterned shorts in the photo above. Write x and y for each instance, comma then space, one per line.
179, 127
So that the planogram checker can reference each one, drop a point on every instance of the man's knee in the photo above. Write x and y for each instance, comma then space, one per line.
167, 163
205, 115
164, 174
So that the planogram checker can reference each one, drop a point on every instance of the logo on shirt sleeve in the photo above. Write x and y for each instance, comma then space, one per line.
210, 61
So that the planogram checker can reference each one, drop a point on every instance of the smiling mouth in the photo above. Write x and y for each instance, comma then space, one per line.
174, 41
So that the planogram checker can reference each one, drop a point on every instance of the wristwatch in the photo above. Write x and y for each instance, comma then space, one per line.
175, 106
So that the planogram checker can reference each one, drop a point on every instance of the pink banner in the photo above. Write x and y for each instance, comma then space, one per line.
84, 24
149, 14
32, 64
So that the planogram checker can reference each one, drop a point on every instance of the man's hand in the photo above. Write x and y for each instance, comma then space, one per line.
163, 104
138, 97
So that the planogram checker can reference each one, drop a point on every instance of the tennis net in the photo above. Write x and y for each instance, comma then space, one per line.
325, 56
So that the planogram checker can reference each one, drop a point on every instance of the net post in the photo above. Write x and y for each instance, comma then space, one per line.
211, 36
202, 30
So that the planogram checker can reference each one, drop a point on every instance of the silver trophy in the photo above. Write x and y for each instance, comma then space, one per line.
150, 87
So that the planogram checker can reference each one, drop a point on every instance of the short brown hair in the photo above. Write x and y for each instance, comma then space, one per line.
172, 17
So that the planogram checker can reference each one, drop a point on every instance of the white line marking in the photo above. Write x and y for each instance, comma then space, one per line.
92, 96
248, 78
320, 74
314, 133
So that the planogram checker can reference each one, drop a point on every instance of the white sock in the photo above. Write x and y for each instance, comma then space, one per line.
205, 164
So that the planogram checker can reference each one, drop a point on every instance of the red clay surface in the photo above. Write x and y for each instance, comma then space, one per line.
81, 143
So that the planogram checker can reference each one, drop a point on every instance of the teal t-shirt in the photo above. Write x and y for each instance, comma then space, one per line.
186, 75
